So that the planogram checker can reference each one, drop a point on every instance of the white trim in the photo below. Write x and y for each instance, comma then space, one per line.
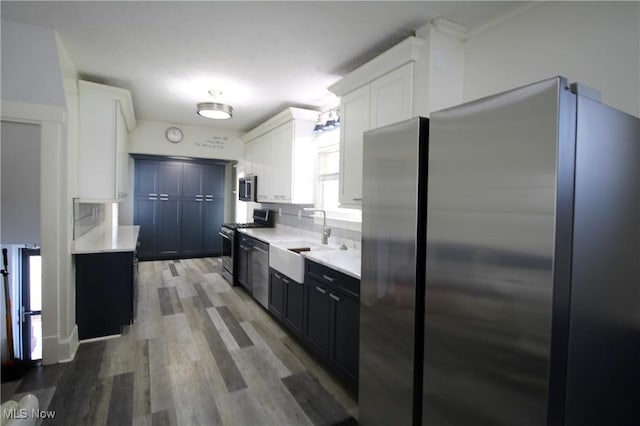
99, 339
50, 235
285, 116
23, 112
410, 49
67, 348
49, 349
450, 28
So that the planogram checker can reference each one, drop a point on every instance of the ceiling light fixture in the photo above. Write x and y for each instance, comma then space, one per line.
218, 109
332, 122
319, 127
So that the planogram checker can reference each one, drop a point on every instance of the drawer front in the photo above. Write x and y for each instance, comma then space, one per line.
245, 239
333, 278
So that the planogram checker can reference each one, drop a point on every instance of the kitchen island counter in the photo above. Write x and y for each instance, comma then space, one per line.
99, 241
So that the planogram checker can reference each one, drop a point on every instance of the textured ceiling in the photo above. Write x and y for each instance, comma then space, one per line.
263, 55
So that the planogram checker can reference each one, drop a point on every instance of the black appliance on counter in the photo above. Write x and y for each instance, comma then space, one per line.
262, 218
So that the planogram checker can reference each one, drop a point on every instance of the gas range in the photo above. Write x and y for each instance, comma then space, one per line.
261, 219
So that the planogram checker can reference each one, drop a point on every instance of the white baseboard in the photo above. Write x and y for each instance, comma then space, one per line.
50, 350
67, 348
97, 339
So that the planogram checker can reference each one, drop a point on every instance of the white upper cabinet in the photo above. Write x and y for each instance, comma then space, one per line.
280, 153
354, 121
379, 93
104, 122
392, 97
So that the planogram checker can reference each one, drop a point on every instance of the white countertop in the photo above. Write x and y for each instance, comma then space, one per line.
99, 241
345, 261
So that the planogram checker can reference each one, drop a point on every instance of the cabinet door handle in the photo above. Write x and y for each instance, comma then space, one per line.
199, 195
277, 275
164, 199
199, 200
153, 195
321, 290
209, 201
153, 198
164, 195
284, 280
328, 278
334, 297
357, 199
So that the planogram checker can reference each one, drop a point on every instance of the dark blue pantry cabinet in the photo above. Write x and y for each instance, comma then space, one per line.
179, 206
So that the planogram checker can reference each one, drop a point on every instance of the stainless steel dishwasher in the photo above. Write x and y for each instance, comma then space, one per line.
260, 272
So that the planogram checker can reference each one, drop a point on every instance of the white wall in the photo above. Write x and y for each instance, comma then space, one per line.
594, 43
199, 141
30, 70
20, 193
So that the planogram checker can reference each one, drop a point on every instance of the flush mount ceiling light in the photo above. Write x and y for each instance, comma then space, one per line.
217, 109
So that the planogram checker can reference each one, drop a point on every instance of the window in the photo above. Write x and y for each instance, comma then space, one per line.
327, 184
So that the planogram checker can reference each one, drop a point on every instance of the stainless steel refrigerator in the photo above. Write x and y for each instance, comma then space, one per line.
530, 264
392, 275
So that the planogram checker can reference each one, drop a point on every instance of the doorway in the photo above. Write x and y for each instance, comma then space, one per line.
31, 310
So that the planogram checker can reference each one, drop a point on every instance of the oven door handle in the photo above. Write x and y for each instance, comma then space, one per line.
224, 236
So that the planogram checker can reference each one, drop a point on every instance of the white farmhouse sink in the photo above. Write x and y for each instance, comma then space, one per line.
283, 259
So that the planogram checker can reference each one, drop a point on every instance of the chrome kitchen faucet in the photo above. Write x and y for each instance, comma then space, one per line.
326, 232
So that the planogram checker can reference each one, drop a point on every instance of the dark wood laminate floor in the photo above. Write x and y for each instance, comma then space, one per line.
200, 353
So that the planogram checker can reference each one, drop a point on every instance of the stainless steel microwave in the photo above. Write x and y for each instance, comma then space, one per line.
247, 188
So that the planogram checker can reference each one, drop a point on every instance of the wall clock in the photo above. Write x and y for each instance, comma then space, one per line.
174, 134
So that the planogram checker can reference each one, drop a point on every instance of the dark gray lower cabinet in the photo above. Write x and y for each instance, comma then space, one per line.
105, 293
344, 331
331, 324
293, 308
317, 317
276, 293
286, 301
325, 313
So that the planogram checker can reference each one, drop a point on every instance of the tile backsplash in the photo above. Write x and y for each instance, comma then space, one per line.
292, 216
86, 216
